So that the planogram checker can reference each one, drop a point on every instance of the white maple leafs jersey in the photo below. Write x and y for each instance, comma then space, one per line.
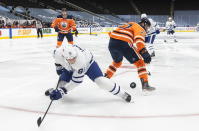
83, 61
153, 28
170, 25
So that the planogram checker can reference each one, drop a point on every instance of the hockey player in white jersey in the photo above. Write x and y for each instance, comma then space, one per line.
72, 64
170, 27
151, 34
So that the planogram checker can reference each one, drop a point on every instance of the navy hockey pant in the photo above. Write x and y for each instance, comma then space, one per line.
120, 49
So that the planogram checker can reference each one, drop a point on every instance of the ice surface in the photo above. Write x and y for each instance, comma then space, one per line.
27, 70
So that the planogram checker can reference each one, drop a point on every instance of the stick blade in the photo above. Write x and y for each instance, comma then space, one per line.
39, 121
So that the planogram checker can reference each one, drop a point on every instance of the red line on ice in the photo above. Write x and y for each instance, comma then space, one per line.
104, 116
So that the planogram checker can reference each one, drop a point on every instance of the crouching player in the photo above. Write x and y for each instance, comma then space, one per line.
72, 64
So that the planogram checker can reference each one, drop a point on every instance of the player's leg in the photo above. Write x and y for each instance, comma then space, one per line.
148, 44
171, 35
41, 32
76, 32
174, 36
38, 33
69, 37
117, 56
151, 47
60, 39
134, 58
143, 75
95, 74
167, 37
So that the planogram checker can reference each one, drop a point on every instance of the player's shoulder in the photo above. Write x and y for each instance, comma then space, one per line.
151, 20
81, 50
78, 48
153, 23
137, 27
173, 21
58, 19
132, 23
70, 20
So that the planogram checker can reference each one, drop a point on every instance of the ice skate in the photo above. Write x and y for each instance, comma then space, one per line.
153, 54
127, 97
146, 86
105, 75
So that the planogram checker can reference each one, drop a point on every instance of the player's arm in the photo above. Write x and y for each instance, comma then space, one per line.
157, 28
59, 62
73, 25
140, 44
55, 25
139, 37
142, 50
65, 85
174, 24
167, 26
68, 81
64, 79
59, 68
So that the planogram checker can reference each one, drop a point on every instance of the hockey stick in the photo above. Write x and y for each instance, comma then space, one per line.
40, 120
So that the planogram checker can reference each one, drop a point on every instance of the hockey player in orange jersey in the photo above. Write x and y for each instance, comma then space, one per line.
128, 41
64, 27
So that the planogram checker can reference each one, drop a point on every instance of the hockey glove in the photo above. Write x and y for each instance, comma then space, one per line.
157, 31
76, 32
56, 94
56, 29
59, 68
146, 56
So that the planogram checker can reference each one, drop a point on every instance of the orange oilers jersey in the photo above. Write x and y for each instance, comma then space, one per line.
64, 25
132, 33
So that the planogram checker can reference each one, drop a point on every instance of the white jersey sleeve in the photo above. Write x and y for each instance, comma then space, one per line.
153, 28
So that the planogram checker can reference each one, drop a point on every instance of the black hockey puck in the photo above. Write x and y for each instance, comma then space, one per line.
47, 93
133, 85
149, 73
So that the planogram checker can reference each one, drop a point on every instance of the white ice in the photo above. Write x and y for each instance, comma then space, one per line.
27, 70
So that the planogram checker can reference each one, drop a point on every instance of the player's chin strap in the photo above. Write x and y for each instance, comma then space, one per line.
40, 120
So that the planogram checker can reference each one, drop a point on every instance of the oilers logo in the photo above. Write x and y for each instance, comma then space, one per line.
64, 24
